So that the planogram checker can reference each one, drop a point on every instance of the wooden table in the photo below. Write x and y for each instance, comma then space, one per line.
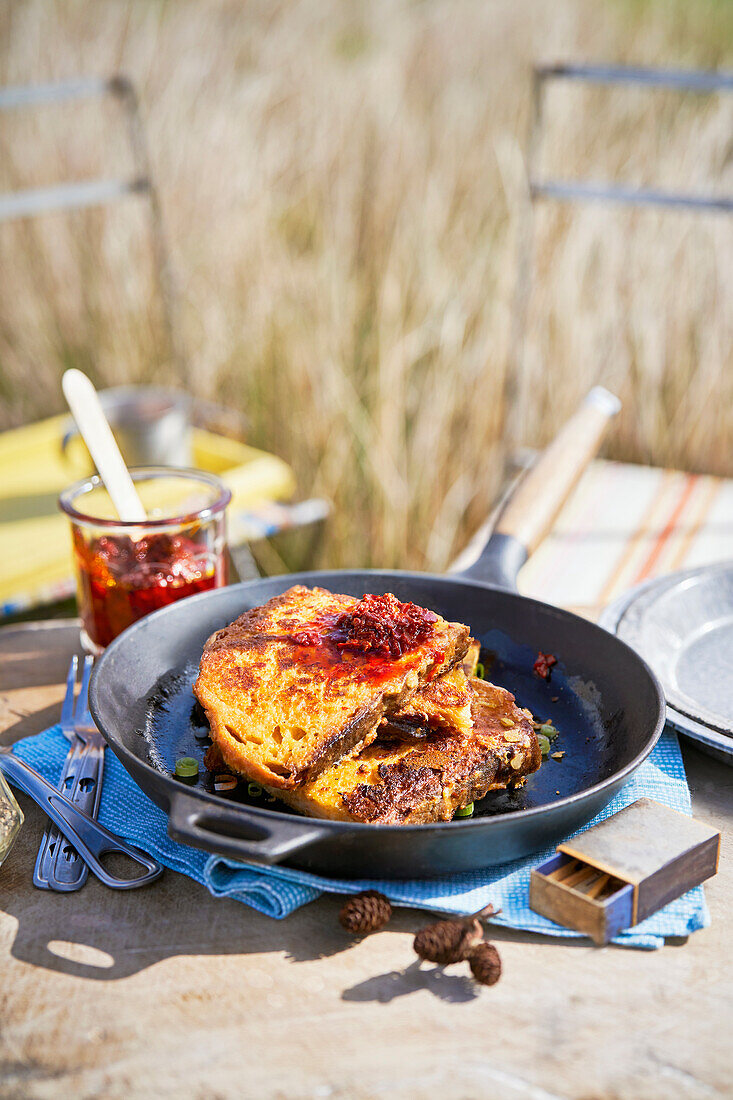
168, 992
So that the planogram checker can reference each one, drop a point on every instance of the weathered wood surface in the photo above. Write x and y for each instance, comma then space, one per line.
168, 992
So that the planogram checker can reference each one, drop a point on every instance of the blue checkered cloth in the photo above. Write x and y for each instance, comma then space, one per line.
279, 891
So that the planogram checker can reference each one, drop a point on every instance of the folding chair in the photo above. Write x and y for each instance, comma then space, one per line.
97, 192
583, 190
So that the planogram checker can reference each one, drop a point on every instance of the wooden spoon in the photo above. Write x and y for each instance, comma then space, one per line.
89, 415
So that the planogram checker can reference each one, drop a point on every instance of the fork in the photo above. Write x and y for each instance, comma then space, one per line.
92, 839
58, 864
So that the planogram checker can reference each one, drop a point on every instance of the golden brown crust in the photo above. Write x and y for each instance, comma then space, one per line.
443, 704
282, 710
427, 778
517, 748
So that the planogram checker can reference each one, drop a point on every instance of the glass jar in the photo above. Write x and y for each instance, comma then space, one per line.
11, 818
126, 570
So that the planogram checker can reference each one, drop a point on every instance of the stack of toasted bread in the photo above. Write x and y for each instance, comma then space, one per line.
344, 714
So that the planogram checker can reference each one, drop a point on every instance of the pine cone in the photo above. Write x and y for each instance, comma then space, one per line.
448, 941
485, 963
365, 912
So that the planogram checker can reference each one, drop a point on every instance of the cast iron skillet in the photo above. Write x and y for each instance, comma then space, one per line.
601, 696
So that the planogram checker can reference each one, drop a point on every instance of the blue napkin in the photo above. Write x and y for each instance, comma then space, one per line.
278, 891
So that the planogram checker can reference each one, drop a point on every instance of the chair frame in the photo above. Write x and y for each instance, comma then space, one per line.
82, 194
583, 190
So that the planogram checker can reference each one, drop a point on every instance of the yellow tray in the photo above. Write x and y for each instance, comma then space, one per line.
35, 547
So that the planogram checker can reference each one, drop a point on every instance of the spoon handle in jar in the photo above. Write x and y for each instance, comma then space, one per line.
88, 413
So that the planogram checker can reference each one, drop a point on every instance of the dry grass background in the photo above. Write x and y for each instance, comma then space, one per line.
343, 185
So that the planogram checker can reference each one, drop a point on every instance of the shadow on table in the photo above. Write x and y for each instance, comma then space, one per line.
104, 934
454, 988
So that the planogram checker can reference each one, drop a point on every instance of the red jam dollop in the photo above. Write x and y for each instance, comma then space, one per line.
378, 626
121, 580
544, 664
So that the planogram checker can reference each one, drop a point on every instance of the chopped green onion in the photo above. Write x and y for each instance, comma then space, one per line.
548, 730
254, 790
480, 671
465, 811
544, 743
187, 767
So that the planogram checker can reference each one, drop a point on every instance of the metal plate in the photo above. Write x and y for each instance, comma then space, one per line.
710, 741
684, 628
625, 618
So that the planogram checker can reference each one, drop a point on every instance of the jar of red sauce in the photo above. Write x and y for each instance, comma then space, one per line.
126, 570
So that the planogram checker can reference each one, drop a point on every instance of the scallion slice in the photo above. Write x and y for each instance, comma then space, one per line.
544, 743
187, 767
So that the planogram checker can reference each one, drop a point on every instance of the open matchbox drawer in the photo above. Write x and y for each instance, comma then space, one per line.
621, 871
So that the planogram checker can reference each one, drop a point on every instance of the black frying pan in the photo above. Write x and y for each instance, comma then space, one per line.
604, 700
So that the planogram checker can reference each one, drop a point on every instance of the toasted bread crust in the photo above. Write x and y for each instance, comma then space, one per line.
427, 778
282, 710
517, 748
444, 703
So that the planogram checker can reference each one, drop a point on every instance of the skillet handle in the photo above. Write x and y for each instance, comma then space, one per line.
236, 834
532, 509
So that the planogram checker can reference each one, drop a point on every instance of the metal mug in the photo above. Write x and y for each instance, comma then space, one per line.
152, 425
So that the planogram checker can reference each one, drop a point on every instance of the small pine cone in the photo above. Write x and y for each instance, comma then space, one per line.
485, 963
447, 941
365, 912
